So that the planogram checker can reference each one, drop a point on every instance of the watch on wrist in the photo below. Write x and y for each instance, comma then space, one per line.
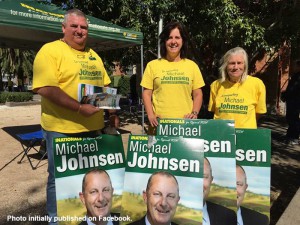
195, 113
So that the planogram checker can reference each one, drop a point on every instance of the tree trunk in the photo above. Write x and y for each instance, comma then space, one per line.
1, 80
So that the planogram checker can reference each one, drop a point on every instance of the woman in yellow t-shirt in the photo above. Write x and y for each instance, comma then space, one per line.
236, 95
172, 84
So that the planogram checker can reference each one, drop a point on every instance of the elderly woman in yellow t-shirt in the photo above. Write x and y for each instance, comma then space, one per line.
236, 95
172, 84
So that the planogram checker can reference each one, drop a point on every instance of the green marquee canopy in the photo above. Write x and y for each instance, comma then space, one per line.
28, 24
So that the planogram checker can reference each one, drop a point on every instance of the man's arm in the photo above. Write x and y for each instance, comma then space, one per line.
59, 97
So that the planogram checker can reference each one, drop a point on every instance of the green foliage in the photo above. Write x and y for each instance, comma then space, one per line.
279, 18
124, 85
16, 61
214, 25
15, 97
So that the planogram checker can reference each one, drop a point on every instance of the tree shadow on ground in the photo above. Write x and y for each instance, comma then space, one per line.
34, 209
285, 167
132, 114
39, 211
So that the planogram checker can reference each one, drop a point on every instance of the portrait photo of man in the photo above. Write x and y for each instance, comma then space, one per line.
97, 196
161, 197
214, 214
246, 216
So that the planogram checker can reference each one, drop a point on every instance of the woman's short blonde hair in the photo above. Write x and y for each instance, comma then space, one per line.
224, 63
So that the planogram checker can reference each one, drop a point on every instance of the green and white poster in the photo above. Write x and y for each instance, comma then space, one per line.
179, 157
74, 156
219, 148
219, 163
253, 159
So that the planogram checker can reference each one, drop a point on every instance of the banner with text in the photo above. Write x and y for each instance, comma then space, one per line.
253, 159
219, 150
180, 157
74, 156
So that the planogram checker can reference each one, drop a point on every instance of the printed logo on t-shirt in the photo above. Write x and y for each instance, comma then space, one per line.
233, 104
174, 77
89, 72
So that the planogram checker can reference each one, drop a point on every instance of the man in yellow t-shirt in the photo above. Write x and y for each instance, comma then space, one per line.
59, 68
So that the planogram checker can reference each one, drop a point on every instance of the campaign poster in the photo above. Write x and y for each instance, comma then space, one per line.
74, 156
253, 159
219, 151
178, 156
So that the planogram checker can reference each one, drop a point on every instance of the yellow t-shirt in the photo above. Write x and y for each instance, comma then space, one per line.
172, 84
239, 102
57, 64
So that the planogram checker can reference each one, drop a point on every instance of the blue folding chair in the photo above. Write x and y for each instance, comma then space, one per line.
35, 141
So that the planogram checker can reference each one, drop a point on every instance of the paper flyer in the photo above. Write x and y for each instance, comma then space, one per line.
219, 152
180, 157
74, 156
253, 159
102, 97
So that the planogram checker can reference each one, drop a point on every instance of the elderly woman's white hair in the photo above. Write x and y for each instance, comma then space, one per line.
224, 62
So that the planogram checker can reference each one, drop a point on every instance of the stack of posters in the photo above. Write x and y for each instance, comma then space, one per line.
253, 158
219, 151
219, 148
180, 157
219, 174
74, 156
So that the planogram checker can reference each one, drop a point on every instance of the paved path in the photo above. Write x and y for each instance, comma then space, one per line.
285, 169
291, 214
